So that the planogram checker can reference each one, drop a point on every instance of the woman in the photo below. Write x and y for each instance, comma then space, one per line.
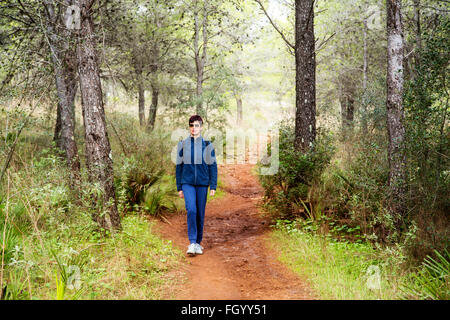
196, 169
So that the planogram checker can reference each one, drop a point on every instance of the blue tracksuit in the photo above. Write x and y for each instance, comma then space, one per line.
196, 169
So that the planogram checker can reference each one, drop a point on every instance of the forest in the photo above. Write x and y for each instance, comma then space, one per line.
329, 120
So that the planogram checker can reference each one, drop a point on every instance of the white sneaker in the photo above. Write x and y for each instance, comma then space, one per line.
198, 249
192, 249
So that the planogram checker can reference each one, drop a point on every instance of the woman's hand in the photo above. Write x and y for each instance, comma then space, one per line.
180, 193
212, 192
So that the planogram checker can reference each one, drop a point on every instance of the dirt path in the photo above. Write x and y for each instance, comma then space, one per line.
237, 263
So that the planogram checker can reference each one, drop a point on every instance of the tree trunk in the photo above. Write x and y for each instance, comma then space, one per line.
200, 61
64, 66
365, 72
347, 101
58, 125
153, 108
394, 110
305, 78
141, 99
66, 87
238, 109
417, 23
98, 149
154, 84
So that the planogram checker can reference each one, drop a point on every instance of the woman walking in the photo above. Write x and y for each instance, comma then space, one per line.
196, 169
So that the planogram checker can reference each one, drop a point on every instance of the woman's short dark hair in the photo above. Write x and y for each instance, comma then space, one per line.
194, 118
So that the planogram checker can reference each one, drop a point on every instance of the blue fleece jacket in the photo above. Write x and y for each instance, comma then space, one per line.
196, 163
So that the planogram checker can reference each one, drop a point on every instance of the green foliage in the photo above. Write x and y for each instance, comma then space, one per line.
132, 181
140, 160
426, 103
345, 269
162, 196
353, 187
60, 287
70, 265
432, 282
133, 264
16, 286
337, 269
297, 173
426, 100
371, 111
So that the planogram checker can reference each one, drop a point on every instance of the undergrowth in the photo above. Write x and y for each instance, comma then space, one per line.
342, 269
52, 247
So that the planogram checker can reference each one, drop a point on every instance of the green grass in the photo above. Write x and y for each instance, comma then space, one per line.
53, 251
132, 264
220, 192
339, 270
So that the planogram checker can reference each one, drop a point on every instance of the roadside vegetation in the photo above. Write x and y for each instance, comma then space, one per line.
54, 249
331, 205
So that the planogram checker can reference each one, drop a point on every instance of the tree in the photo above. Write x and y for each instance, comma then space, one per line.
39, 28
200, 58
141, 47
98, 149
208, 20
305, 76
305, 72
394, 109
64, 64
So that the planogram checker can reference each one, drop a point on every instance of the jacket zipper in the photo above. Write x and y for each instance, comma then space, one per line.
195, 167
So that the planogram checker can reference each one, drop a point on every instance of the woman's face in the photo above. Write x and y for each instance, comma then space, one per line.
195, 128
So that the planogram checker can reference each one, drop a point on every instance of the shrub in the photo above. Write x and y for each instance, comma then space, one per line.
427, 142
132, 179
297, 173
161, 196
353, 188
432, 282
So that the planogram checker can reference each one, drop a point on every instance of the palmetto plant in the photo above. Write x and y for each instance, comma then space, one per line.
432, 280
160, 196
11, 240
16, 288
138, 182
68, 271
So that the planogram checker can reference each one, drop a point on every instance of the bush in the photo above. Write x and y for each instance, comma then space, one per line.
11, 240
353, 188
427, 143
432, 282
161, 196
297, 173
140, 159
132, 179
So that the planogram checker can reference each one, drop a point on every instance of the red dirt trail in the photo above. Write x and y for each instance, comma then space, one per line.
237, 262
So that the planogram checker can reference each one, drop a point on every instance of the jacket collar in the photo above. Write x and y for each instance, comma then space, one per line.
195, 139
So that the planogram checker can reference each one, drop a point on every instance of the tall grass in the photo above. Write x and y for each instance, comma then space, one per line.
432, 281
52, 248
349, 270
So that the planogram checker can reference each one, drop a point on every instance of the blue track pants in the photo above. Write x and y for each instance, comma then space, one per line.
195, 201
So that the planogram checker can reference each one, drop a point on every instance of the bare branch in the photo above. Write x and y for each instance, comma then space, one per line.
274, 25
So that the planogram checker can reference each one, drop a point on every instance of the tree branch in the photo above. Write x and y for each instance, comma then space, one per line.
274, 25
